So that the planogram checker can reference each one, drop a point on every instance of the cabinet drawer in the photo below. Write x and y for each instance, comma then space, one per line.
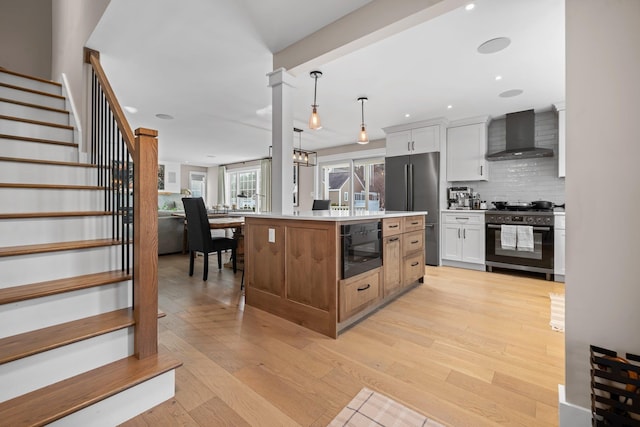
463, 218
391, 226
413, 242
358, 292
413, 223
413, 268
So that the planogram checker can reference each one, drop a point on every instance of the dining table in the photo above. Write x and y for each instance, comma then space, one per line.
218, 222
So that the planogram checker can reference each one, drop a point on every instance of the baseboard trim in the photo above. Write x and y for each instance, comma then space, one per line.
467, 265
571, 415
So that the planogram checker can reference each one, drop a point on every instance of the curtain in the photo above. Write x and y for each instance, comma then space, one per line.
265, 185
222, 171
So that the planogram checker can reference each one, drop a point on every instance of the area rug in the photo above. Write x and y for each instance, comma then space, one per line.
370, 408
557, 312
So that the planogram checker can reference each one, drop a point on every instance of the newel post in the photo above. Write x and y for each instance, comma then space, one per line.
145, 242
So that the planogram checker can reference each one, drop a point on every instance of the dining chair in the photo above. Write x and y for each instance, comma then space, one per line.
321, 205
199, 236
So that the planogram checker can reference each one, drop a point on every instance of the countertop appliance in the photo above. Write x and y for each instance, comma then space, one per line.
361, 247
539, 259
412, 184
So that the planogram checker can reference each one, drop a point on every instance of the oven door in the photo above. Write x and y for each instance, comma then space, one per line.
541, 258
361, 248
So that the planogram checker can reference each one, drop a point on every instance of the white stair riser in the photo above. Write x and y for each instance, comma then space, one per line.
33, 268
33, 173
33, 231
38, 313
30, 83
32, 98
37, 150
20, 200
123, 406
31, 130
37, 371
32, 113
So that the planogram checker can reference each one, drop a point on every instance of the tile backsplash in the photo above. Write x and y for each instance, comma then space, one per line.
522, 180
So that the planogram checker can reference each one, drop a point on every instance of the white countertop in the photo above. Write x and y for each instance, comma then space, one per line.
465, 210
338, 216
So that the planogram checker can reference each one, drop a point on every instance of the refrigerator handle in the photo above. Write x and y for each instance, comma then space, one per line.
406, 186
410, 188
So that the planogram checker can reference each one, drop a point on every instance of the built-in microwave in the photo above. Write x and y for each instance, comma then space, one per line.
361, 247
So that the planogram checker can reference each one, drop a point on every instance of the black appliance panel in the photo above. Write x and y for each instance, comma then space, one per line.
361, 247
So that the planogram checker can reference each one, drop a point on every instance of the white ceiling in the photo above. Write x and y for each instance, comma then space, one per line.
205, 63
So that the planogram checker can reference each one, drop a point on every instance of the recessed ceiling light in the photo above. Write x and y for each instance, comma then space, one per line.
449, 107
511, 93
494, 45
131, 110
164, 116
407, 115
498, 77
470, 6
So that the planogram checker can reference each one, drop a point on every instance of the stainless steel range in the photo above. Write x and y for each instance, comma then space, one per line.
520, 240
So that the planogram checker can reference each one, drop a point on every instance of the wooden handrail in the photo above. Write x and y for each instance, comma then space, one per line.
93, 57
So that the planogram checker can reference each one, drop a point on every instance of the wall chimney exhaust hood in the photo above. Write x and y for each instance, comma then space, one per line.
520, 139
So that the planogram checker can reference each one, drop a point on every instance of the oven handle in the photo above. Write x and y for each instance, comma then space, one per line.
534, 228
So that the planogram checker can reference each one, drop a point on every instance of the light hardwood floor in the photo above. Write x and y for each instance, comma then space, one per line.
465, 348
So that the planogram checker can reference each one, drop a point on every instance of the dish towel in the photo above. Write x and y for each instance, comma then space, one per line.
508, 236
525, 238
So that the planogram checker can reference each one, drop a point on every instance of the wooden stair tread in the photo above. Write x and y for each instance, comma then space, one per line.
54, 214
47, 162
27, 76
56, 247
40, 140
28, 104
33, 342
58, 400
50, 186
58, 286
25, 89
36, 122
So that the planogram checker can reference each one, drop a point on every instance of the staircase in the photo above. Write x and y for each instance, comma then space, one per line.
67, 318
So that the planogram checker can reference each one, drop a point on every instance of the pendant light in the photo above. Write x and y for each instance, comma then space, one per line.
303, 157
363, 138
314, 120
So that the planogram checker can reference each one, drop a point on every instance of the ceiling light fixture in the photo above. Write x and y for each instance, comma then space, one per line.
407, 115
498, 78
449, 107
314, 120
303, 157
130, 109
362, 136
470, 6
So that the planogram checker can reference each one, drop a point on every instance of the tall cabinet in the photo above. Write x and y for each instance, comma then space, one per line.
467, 150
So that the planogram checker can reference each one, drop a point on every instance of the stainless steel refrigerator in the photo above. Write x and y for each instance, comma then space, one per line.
412, 184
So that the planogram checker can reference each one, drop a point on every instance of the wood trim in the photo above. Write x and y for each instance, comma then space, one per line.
27, 104
54, 287
26, 76
29, 343
47, 162
93, 57
28, 215
38, 140
36, 122
57, 247
145, 247
48, 404
25, 89
49, 186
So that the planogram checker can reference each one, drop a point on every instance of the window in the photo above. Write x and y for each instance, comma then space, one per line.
198, 184
364, 178
242, 188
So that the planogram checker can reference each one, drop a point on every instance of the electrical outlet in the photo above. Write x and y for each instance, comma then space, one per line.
272, 235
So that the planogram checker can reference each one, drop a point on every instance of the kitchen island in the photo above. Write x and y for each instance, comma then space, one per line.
294, 266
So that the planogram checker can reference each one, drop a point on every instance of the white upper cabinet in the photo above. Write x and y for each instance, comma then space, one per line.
413, 141
561, 139
466, 151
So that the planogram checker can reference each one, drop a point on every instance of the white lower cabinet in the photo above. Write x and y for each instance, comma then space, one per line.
559, 248
463, 239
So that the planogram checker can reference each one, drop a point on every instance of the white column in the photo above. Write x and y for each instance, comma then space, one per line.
282, 141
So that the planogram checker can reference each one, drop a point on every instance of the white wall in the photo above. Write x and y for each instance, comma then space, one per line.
72, 23
25, 37
602, 184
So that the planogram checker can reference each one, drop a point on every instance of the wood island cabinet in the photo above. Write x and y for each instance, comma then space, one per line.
293, 269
